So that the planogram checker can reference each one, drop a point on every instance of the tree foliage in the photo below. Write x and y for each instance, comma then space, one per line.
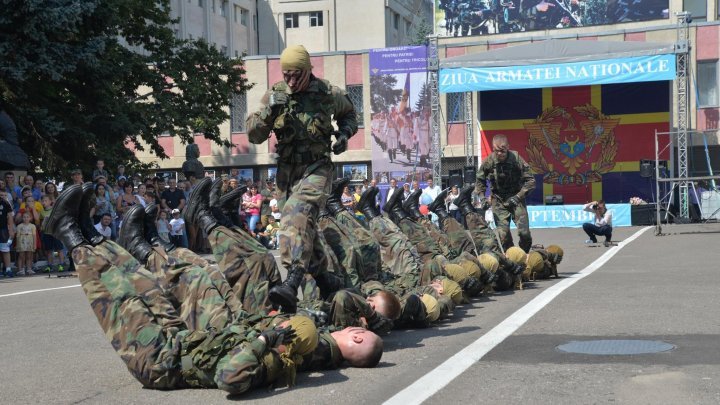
85, 79
384, 94
421, 32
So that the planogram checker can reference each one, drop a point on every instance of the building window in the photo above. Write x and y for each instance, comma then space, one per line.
355, 94
224, 50
212, 5
238, 112
201, 3
316, 18
456, 107
407, 27
223, 8
240, 16
396, 20
697, 8
291, 20
707, 84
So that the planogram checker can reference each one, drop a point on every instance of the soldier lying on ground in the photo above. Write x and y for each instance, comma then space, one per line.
148, 332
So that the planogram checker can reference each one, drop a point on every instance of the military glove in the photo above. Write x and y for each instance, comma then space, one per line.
379, 324
274, 337
319, 317
341, 143
513, 201
278, 98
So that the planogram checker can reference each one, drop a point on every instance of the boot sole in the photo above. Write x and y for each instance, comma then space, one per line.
49, 222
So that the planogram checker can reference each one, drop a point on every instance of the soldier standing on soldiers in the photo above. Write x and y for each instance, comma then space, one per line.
510, 182
300, 110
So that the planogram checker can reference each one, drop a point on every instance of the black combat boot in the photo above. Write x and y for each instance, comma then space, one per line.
132, 234
438, 205
62, 223
328, 283
464, 200
215, 202
151, 233
198, 210
84, 220
394, 207
367, 206
229, 205
285, 294
411, 205
334, 201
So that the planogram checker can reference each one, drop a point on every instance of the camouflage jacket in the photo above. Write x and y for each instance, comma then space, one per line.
508, 178
303, 126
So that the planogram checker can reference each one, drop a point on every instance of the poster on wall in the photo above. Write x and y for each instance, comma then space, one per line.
460, 18
585, 142
355, 172
400, 102
245, 175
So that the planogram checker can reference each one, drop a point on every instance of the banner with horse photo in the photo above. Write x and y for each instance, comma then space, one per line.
584, 143
461, 18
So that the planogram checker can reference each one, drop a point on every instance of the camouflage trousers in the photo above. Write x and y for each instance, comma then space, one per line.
303, 190
149, 333
247, 266
399, 256
518, 214
458, 238
367, 245
426, 247
343, 244
483, 236
440, 238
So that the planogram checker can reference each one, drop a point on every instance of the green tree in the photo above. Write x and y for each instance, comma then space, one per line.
423, 101
420, 34
383, 93
85, 79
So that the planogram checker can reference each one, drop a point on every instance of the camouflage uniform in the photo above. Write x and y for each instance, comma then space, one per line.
154, 341
303, 128
367, 245
440, 238
247, 266
457, 237
482, 235
343, 244
508, 179
399, 256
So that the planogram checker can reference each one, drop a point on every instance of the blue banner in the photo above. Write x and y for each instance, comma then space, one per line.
625, 70
573, 216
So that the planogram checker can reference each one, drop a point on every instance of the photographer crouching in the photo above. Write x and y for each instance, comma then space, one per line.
602, 225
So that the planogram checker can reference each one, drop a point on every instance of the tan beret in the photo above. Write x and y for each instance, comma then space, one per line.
431, 307
516, 255
295, 57
489, 262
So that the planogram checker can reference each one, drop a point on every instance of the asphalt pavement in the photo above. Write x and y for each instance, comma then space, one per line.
502, 348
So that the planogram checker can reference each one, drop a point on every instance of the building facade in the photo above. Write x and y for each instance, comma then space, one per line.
349, 70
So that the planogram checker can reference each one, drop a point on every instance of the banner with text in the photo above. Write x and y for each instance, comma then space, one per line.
573, 216
607, 71
400, 102
460, 18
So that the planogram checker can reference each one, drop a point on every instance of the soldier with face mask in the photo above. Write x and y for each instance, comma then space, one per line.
300, 110
510, 181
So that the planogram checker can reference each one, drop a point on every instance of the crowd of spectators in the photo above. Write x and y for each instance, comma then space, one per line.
26, 202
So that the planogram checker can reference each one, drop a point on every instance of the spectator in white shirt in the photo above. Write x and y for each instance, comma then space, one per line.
104, 226
602, 224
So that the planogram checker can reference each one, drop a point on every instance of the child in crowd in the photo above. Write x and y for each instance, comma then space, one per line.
25, 245
163, 226
177, 229
53, 247
272, 231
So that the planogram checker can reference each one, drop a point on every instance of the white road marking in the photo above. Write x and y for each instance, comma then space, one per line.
436, 379
34, 291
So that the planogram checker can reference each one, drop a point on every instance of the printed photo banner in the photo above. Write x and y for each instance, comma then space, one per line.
460, 18
625, 70
400, 103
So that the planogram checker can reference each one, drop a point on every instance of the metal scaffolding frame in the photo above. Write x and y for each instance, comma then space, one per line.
469, 137
682, 50
433, 64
